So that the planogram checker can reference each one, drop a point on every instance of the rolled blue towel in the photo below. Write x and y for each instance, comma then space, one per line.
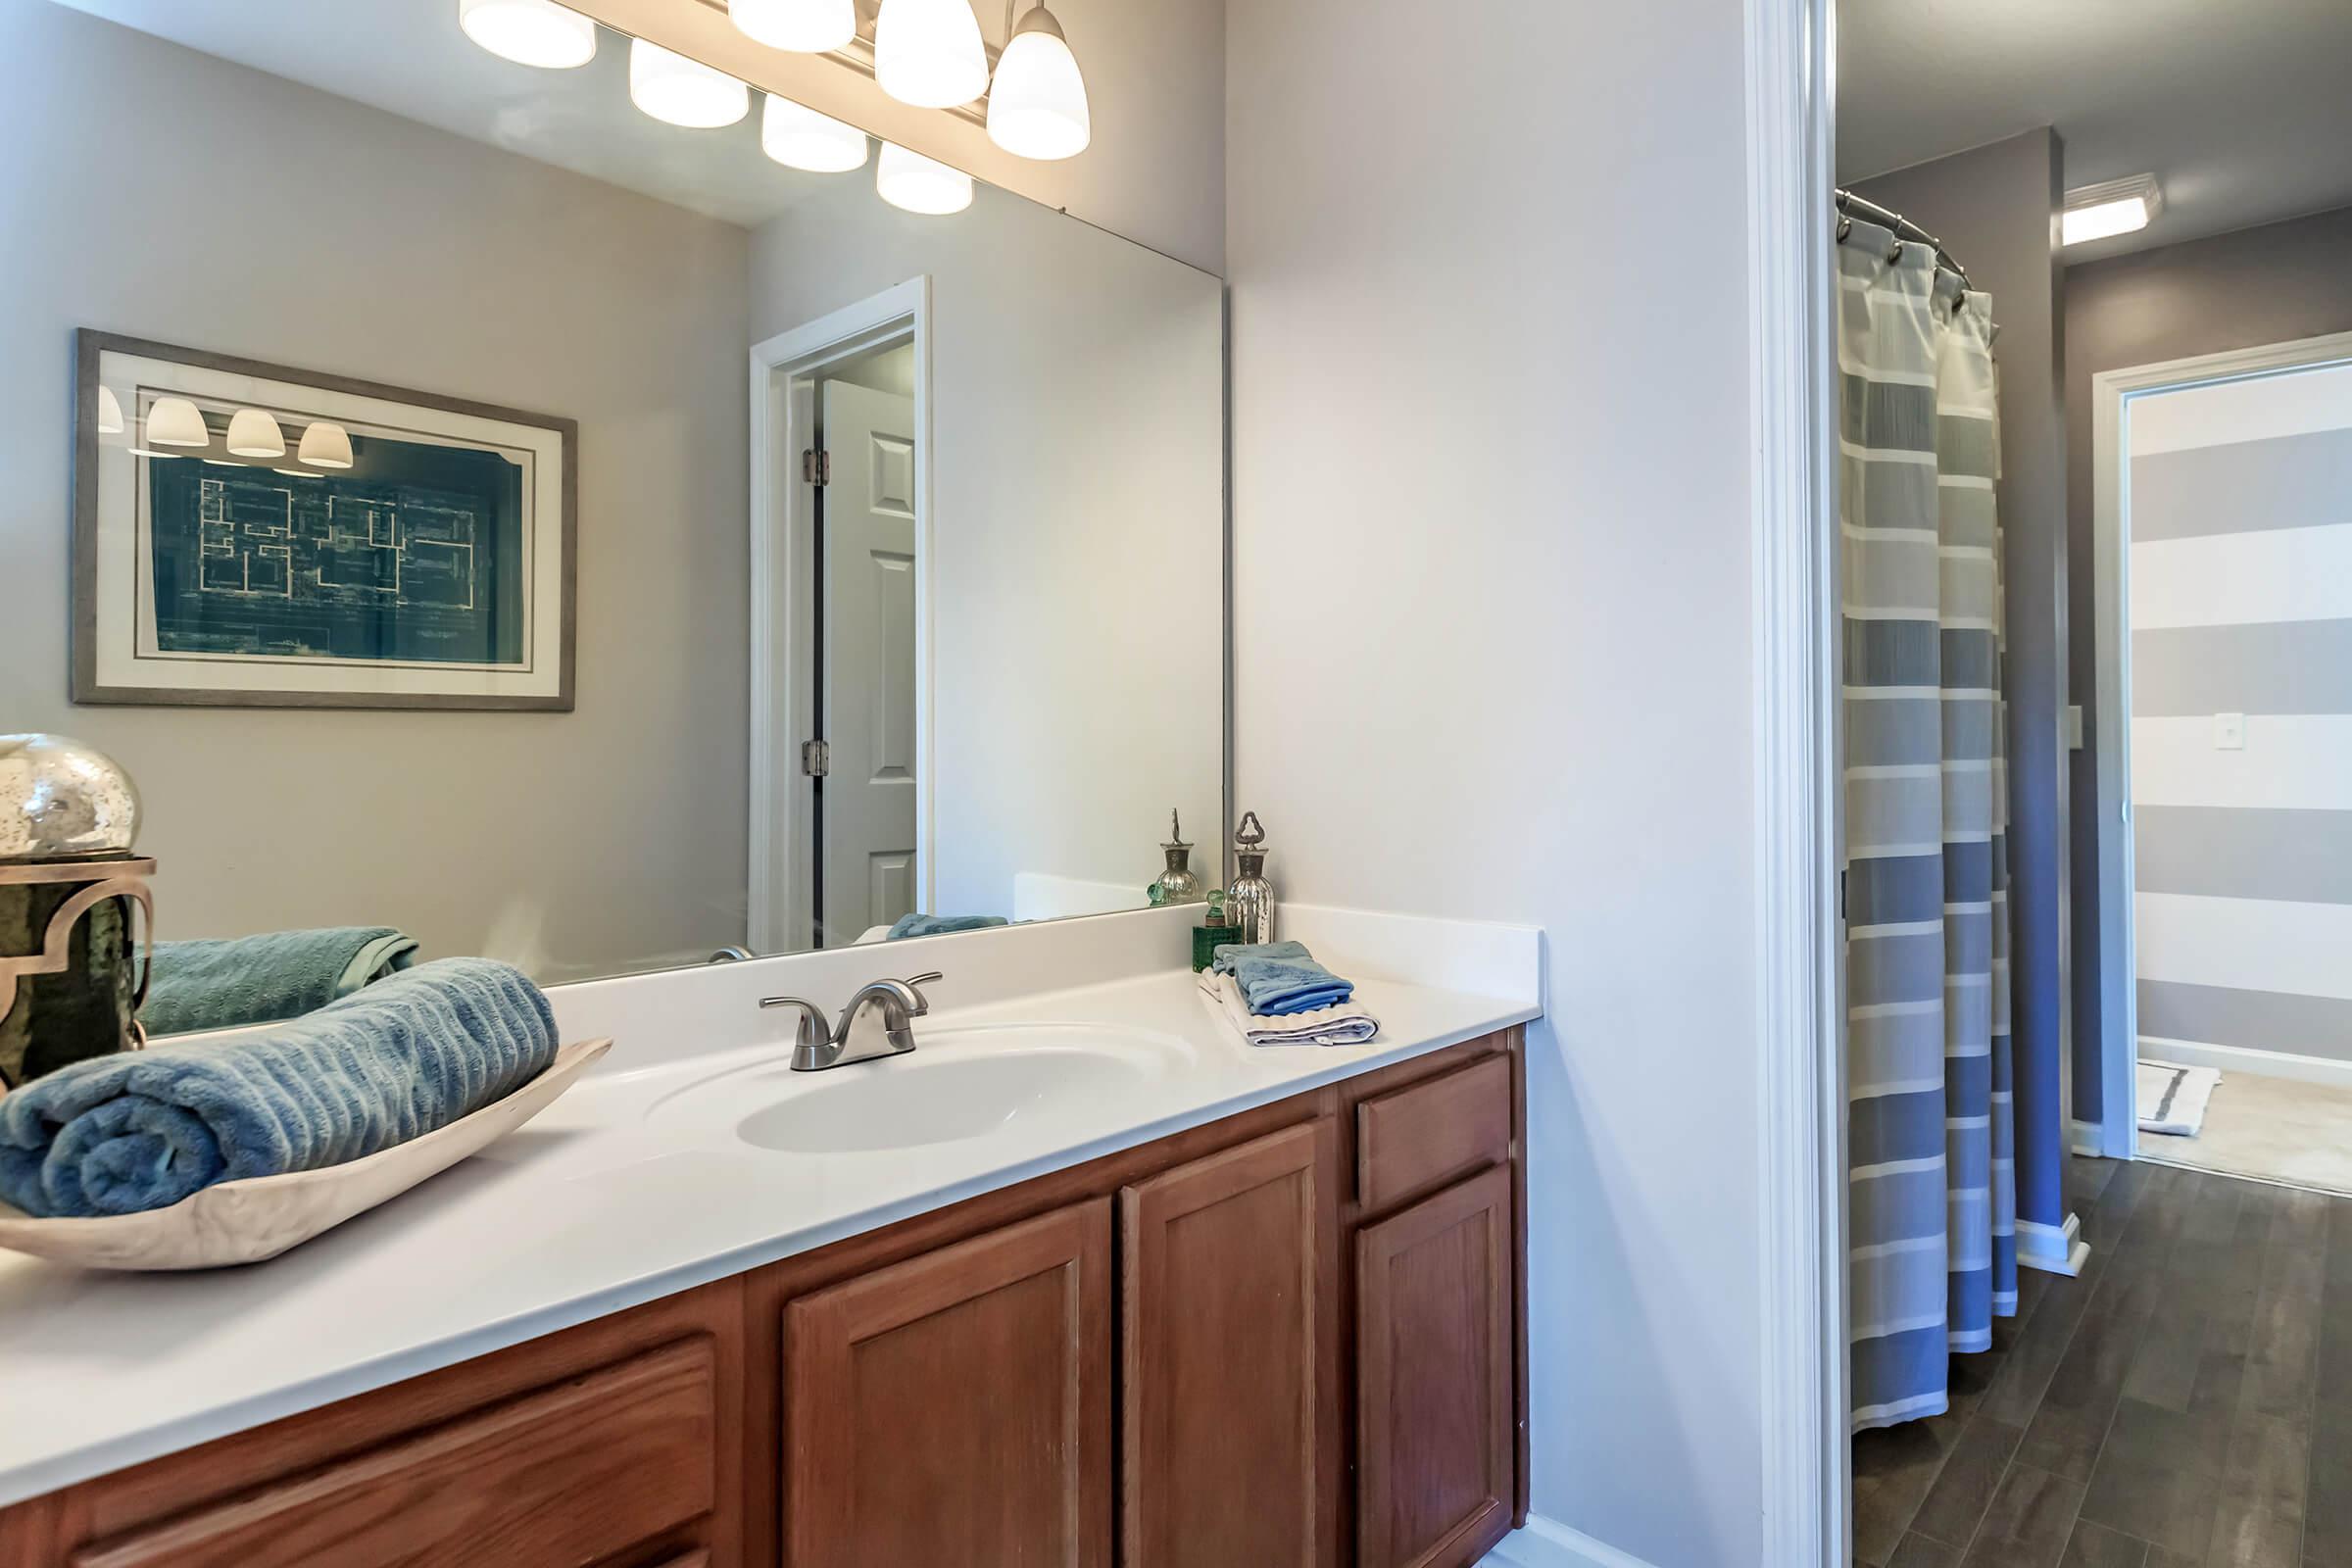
144, 1129
1278, 978
939, 925
228, 983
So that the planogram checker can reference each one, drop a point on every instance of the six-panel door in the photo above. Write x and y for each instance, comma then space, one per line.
1436, 1381
1230, 1313
955, 1408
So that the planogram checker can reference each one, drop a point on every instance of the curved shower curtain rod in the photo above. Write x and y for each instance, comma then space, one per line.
1851, 205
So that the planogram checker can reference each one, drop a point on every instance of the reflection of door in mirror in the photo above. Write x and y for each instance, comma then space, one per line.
866, 798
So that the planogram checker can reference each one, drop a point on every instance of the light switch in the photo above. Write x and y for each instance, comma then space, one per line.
2229, 732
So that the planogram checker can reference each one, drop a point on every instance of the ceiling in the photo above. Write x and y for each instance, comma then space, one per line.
2242, 109
408, 56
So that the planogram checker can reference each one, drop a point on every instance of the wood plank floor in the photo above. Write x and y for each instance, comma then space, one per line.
2186, 1402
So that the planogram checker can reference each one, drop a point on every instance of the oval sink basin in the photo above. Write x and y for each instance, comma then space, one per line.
909, 1102
957, 1083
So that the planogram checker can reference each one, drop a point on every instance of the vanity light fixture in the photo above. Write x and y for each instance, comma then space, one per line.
928, 53
806, 26
109, 411
529, 32
2104, 210
1037, 105
914, 183
325, 446
798, 137
254, 434
679, 91
176, 423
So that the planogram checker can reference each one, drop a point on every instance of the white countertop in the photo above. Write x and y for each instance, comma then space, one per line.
606, 1200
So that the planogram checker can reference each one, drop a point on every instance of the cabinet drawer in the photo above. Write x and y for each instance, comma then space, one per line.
569, 1475
1424, 1135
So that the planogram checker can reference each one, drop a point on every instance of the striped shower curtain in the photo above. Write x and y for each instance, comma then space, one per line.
1933, 1195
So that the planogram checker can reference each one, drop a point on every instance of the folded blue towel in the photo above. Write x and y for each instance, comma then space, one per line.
231, 982
1280, 977
939, 925
144, 1129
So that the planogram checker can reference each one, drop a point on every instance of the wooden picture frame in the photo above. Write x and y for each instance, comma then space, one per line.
434, 565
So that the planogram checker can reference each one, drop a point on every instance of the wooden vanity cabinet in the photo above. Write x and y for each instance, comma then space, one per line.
1293, 1338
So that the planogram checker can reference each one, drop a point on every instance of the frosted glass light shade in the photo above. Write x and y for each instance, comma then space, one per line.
927, 53
109, 411
919, 184
529, 32
798, 137
679, 91
1037, 105
811, 26
254, 434
177, 422
325, 446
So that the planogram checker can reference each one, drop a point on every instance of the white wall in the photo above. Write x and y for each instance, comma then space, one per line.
1154, 77
1077, 486
1491, 522
570, 843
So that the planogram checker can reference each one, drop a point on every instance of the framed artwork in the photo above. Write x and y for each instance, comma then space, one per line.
249, 535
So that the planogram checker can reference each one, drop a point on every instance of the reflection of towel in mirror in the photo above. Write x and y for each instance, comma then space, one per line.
940, 925
1349, 1025
1280, 977
234, 981
143, 1128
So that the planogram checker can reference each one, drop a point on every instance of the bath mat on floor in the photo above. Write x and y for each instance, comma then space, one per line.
2173, 1099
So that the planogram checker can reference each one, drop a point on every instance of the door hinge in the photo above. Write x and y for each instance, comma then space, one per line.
816, 467
816, 758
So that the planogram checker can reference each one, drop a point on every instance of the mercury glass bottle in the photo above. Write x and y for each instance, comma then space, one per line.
1249, 901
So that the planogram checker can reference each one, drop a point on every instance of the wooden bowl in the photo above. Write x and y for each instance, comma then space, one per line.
261, 1216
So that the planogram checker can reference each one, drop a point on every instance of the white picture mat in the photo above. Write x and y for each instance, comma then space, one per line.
125, 638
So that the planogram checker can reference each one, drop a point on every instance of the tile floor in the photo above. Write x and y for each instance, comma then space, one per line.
2186, 1402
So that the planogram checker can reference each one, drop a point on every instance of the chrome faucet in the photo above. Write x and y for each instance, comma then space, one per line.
860, 1036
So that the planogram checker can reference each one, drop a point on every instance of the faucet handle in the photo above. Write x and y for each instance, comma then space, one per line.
813, 1028
915, 982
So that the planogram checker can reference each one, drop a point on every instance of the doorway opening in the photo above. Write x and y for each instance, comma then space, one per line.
841, 787
2224, 843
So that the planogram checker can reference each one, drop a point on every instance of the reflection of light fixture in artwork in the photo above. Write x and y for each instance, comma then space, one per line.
928, 53
177, 422
325, 446
809, 27
529, 32
299, 473
1037, 105
679, 91
918, 184
110, 412
254, 434
798, 137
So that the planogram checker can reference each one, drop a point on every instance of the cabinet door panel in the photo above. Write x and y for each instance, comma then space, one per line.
956, 1407
1436, 1378
1230, 1309
576, 1473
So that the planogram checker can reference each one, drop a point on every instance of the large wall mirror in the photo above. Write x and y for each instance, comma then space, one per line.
459, 499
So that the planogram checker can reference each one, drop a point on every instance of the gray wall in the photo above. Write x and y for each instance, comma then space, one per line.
1995, 207
154, 191
2263, 285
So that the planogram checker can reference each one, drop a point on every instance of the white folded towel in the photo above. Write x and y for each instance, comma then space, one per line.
1349, 1024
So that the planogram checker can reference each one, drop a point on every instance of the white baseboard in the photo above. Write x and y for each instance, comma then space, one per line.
1549, 1544
2245, 1058
2052, 1249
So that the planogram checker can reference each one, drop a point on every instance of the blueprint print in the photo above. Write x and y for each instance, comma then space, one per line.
414, 555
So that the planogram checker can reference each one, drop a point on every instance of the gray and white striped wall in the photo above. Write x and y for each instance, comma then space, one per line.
2241, 522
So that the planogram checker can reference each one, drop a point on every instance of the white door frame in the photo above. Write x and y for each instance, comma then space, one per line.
1807, 1482
2110, 395
783, 516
